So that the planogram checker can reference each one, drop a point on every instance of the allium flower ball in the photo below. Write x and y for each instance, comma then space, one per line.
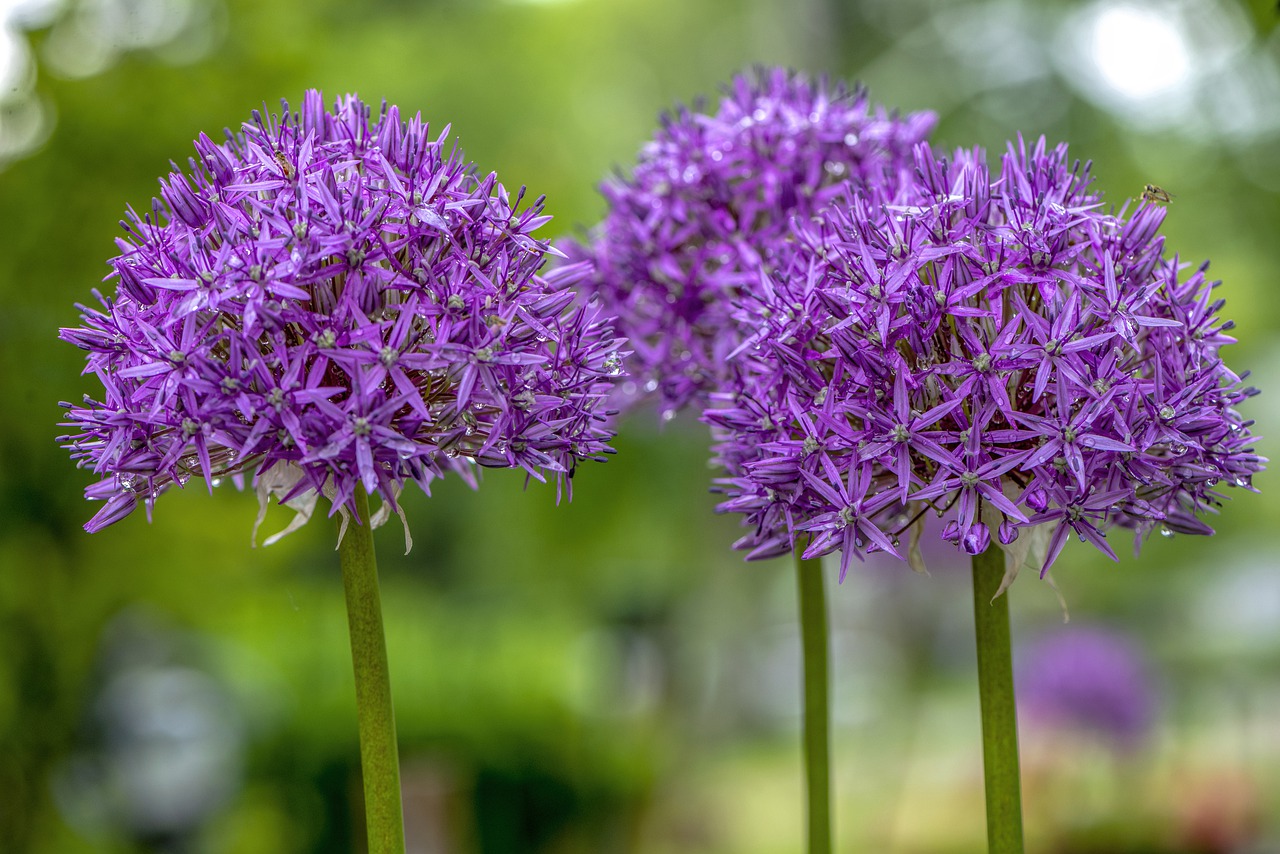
708, 200
1000, 352
328, 303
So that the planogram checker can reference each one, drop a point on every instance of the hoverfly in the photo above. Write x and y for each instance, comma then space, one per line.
1152, 193
287, 168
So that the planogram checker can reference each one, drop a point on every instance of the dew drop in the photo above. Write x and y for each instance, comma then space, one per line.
651, 386
1242, 481
760, 115
217, 481
1166, 532
850, 139
668, 414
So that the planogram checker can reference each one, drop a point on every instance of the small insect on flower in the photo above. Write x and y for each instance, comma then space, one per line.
287, 168
1152, 193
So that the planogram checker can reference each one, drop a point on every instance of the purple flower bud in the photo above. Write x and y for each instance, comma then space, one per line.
215, 160
117, 507
1008, 532
184, 204
976, 539
131, 282
951, 532
1037, 500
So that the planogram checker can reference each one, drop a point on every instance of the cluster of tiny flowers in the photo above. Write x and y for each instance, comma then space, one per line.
1002, 353
329, 302
708, 201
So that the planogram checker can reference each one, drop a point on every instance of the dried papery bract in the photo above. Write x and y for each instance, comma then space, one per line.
328, 302
708, 204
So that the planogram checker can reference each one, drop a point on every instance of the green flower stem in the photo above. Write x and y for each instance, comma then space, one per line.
379, 759
817, 707
999, 711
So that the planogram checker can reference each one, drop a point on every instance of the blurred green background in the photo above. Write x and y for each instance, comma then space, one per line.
606, 676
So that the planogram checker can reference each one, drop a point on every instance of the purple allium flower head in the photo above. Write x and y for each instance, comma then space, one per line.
709, 200
1002, 352
328, 302
1090, 679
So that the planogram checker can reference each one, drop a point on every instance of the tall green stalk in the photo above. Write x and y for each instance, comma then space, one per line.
999, 711
817, 706
379, 758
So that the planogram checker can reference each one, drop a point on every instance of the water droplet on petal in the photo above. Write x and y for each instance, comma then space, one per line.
1166, 532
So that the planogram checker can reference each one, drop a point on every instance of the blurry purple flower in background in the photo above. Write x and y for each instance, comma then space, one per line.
708, 204
1001, 352
330, 303
1087, 679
